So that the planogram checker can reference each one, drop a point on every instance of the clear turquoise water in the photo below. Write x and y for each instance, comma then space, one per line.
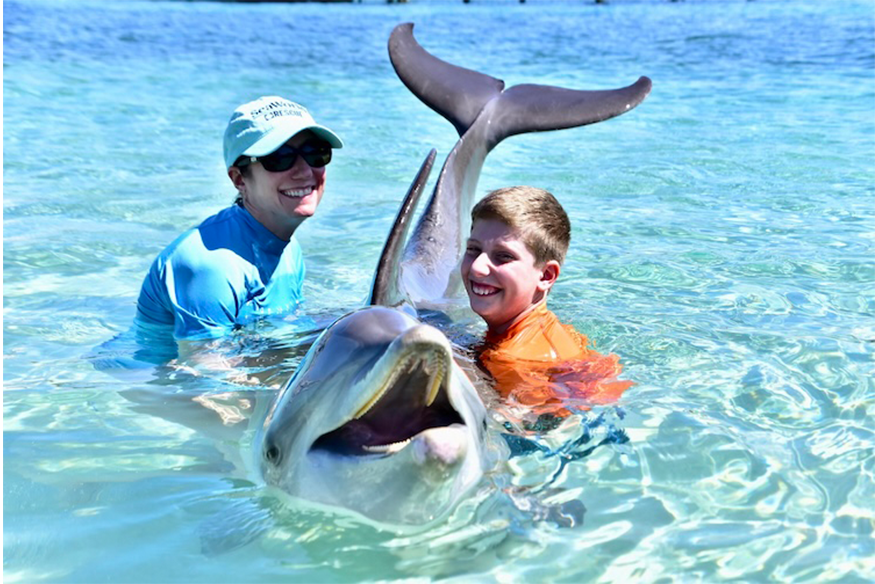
723, 247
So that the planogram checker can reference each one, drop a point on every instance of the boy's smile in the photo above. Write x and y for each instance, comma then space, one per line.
500, 275
483, 289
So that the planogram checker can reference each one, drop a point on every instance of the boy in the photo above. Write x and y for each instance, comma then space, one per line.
519, 238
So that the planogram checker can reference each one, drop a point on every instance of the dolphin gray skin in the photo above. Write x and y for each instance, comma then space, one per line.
484, 114
379, 419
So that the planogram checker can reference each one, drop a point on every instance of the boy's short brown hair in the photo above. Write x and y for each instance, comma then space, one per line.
537, 215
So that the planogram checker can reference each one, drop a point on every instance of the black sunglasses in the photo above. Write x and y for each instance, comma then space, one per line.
316, 153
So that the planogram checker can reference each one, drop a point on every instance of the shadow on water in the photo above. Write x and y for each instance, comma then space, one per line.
211, 386
514, 511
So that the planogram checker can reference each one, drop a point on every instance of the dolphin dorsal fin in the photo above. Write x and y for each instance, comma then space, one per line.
456, 93
386, 289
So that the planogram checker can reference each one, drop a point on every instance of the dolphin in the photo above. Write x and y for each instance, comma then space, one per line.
379, 419
484, 113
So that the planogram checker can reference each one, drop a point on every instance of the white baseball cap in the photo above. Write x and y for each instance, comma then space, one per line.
259, 127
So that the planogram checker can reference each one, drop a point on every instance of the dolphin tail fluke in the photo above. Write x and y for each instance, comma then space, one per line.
456, 93
540, 108
460, 95
385, 290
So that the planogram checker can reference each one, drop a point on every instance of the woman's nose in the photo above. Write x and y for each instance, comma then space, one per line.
300, 167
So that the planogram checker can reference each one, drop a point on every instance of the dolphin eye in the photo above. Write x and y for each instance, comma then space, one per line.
272, 454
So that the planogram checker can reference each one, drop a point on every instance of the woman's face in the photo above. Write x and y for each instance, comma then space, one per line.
281, 201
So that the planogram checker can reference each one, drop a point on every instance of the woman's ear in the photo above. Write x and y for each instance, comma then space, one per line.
549, 275
237, 179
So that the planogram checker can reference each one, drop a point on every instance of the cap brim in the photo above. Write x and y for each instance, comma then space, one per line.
327, 135
280, 135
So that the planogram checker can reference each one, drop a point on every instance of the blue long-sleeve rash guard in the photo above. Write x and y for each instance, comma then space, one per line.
220, 275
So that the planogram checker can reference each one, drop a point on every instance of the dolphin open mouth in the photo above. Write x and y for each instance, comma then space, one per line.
408, 393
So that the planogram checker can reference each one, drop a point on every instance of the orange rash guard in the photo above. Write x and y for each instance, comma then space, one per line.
544, 365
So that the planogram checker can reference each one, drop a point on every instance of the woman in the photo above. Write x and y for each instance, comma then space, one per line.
244, 262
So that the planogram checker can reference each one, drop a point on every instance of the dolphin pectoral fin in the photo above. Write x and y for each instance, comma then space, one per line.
540, 108
456, 93
384, 289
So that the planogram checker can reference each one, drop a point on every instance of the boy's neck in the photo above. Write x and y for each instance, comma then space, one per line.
503, 328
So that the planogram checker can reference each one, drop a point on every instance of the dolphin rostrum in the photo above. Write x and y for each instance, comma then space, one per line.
379, 419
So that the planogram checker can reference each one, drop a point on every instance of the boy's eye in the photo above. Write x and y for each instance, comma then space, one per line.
504, 257
472, 251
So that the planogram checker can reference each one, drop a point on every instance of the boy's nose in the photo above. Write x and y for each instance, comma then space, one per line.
480, 266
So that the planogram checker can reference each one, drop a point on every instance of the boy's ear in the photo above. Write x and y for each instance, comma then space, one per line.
549, 275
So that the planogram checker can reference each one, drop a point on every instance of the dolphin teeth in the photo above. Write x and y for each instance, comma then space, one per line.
378, 395
387, 448
432, 364
434, 388
374, 399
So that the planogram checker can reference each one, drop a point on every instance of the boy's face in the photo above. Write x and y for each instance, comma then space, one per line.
500, 274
